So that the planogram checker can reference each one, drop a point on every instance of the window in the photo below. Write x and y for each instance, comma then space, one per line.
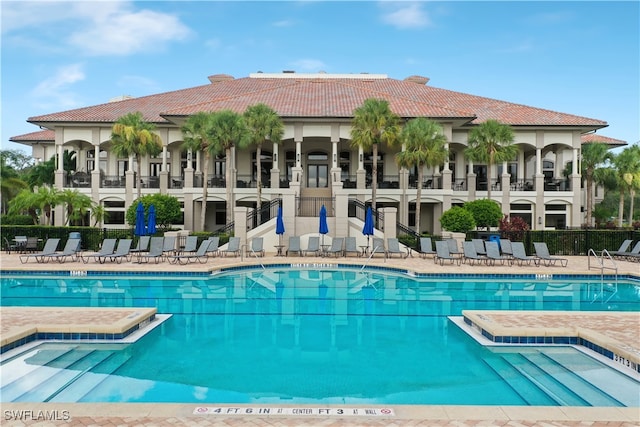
345, 160
317, 170
290, 162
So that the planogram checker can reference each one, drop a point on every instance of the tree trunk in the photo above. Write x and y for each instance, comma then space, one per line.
621, 208
139, 176
374, 177
205, 187
589, 199
632, 193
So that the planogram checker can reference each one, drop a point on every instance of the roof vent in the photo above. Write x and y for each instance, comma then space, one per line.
219, 78
417, 79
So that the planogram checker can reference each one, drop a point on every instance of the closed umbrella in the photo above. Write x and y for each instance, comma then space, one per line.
367, 230
323, 228
140, 229
279, 224
151, 221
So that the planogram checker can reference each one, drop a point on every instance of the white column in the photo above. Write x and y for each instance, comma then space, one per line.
60, 167
360, 158
164, 158
96, 156
334, 154
198, 161
574, 164
276, 156
298, 154
538, 161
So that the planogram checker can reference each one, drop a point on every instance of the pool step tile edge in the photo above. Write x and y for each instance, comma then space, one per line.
576, 333
121, 323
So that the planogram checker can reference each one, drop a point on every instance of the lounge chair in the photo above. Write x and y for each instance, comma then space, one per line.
493, 253
213, 249
633, 254
233, 247
336, 247
70, 250
294, 245
519, 254
454, 249
49, 249
143, 244
479, 245
123, 251
442, 253
107, 247
313, 245
378, 246
351, 247
393, 248
543, 255
169, 245
257, 246
426, 247
199, 255
471, 255
624, 247
506, 248
156, 251
190, 245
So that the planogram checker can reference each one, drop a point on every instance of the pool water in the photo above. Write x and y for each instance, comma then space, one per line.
315, 336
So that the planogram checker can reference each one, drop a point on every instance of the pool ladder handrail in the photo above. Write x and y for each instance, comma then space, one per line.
604, 255
371, 256
244, 248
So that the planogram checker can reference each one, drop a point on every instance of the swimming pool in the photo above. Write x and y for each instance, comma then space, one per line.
315, 335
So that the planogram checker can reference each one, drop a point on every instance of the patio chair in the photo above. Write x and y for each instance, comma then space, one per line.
70, 250
479, 245
190, 245
31, 245
543, 255
351, 247
506, 247
378, 246
50, 247
213, 249
520, 255
156, 251
633, 254
233, 247
143, 244
442, 253
471, 254
169, 245
624, 247
313, 245
393, 248
294, 245
257, 246
8, 246
454, 250
123, 251
426, 247
200, 255
107, 247
336, 247
493, 253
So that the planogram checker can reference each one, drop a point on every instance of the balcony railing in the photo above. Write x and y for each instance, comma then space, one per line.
429, 182
113, 181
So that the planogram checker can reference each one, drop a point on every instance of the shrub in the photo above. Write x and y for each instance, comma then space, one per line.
486, 213
458, 220
16, 220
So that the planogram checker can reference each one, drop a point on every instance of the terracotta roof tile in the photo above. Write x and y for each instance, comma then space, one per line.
592, 137
42, 135
322, 98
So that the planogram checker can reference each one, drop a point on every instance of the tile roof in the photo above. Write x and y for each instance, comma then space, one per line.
42, 136
327, 97
592, 137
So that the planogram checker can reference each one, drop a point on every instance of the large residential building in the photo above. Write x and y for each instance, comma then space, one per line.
316, 159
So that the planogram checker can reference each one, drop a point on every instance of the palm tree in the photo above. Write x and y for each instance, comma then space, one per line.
594, 154
132, 136
374, 123
228, 130
10, 182
627, 165
77, 205
196, 133
491, 142
264, 125
425, 145
25, 201
99, 214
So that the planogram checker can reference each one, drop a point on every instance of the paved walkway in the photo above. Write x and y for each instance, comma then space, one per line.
79, 414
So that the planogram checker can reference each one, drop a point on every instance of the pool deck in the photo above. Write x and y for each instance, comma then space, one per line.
621, 328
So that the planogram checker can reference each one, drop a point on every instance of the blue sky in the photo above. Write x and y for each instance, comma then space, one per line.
577, 57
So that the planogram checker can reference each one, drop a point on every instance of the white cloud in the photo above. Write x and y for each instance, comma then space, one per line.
54, 90
283, 23
95, 28
312, 65
405, 15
